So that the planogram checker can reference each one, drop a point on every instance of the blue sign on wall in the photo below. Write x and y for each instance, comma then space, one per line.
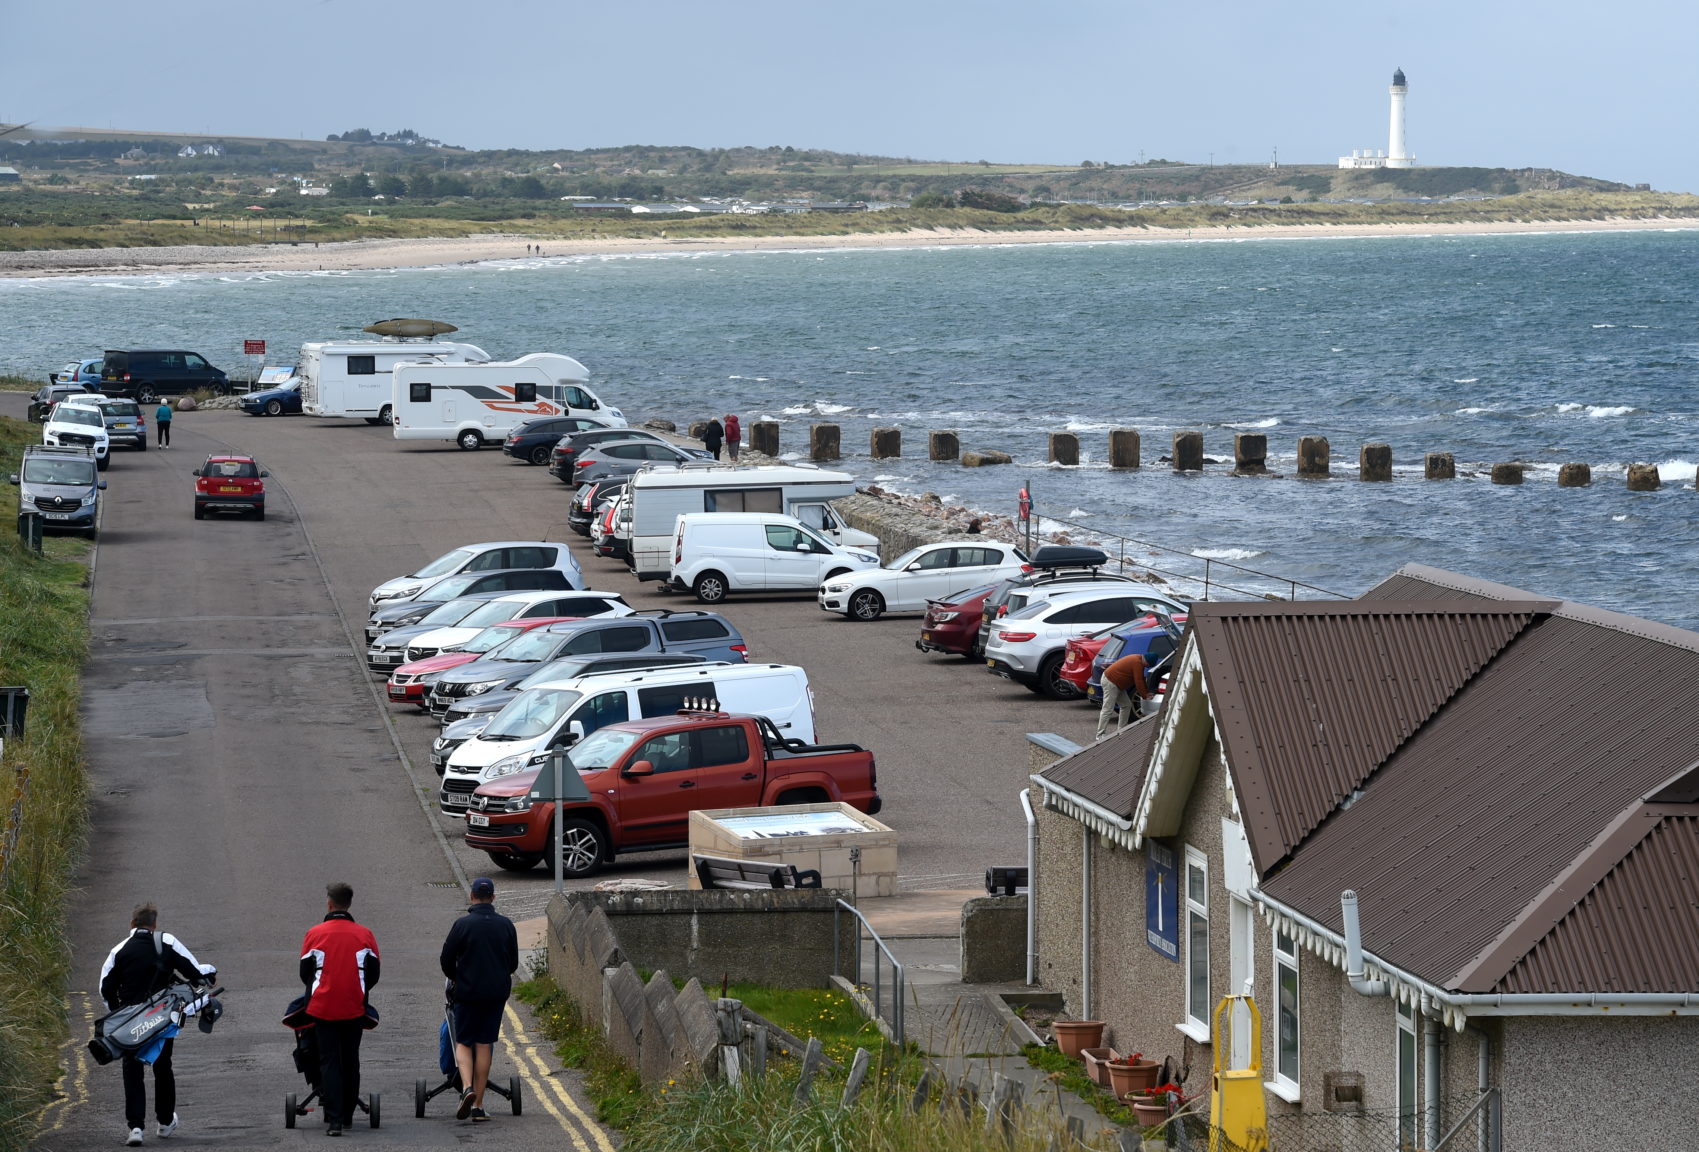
1161, 899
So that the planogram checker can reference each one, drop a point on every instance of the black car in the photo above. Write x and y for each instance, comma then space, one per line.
146, 374
533, 440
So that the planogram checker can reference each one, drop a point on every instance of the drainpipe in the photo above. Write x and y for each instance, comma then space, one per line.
1354, 971
1430, 1072
1487, 1125
1031, 889
1085, 924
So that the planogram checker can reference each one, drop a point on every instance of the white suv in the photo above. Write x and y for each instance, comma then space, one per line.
79, 426
1029, 644
930, 572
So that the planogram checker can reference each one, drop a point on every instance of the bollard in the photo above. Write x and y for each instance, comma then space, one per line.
1124, 448
943, 446
823, 442
1574, 476
764, 437
1188, 451
1643, 478
29, 530
1250, 453
1312, 456
1439, 466
1374, 462
1507, 473
1064, 448
887, 443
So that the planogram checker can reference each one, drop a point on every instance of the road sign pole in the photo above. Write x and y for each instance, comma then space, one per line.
558, 760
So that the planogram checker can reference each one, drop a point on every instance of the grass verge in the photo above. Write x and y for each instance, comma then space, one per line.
43, 638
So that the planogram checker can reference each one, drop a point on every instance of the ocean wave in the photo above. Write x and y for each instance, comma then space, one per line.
1468, 380
1605, 412
755, 379
1226, 553
1088, 426
1604, 325
1250, 425
1570, 407
1470, 411
1678, 470
1078, 513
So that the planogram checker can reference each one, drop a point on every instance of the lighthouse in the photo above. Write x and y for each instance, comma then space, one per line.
1397, 156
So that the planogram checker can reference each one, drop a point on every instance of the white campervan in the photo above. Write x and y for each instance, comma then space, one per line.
351, 378
478, 404
719, 552
656, 499
559, 714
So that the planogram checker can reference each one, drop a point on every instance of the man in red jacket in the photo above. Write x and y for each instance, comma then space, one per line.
339, 965
734, 437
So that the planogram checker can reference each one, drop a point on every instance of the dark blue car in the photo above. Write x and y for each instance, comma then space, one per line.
278, 401
1154, 639
533, 440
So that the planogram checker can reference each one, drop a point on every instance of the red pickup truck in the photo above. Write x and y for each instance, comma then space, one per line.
645, 777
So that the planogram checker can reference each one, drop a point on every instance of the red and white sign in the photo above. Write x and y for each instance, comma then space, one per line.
253, 347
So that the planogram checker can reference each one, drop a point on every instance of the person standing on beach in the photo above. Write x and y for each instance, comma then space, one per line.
734, 437
1123, 687
479, 958
162, 418
712, 436
340, 966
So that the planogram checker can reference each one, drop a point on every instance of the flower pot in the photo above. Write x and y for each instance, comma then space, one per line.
1075, 1036
1125, 1079
1149, 1110
1097, 1064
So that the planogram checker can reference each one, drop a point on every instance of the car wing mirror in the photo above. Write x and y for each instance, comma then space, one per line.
574, 733
639, 768
915, 567
263, 475
196, 472
101, 485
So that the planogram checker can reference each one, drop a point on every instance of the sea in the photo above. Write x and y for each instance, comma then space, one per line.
1541, 349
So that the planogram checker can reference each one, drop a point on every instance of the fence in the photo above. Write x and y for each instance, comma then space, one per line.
1462, 1126
881, 957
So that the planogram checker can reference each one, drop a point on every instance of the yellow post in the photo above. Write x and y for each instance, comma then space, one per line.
1238, 1114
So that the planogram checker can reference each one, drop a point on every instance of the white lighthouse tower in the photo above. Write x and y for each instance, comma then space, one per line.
1397, 156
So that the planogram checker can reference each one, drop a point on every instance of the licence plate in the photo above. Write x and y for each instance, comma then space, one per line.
477, 820
229, 488
58, 515
126, 428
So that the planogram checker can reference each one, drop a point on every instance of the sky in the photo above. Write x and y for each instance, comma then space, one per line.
1597, 90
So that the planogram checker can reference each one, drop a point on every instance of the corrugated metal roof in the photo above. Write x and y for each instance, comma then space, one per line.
1311, 698
1109, 773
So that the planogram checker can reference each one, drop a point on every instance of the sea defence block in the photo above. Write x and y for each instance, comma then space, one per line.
985, 459
1575, 476
1188, 451
1124, 448
764, 437
696, 429
1439, 466
1250, 453
1064, 448
1507, 473
887, 443
1374, 462
1313, 458
823, 442
943, 446
1644, 478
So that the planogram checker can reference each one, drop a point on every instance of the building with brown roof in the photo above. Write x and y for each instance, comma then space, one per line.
1510, 785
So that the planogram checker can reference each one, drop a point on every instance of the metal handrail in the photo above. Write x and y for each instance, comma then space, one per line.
897, 985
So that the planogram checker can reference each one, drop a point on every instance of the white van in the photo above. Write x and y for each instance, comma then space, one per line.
656, 499
351, 378
560, 714
719, 552
478, 404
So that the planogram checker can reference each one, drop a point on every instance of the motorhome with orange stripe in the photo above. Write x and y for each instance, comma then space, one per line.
478, 404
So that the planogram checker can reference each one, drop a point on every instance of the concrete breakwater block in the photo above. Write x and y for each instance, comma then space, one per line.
696, 429
764, 437
886, 443
1188, 451
1250, 453
823, 442
1064, 448
1439, 466
943, 446
1507, 473
1644, 478
657, 424
985, 459
1124, 448
1374, 462
1313, 456
1574, 476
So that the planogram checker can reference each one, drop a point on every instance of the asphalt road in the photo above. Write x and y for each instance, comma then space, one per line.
241, 756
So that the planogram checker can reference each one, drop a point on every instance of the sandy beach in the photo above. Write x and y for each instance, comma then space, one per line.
367, 254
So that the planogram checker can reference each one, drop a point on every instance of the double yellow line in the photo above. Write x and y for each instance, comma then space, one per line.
548, 1089
76, 1070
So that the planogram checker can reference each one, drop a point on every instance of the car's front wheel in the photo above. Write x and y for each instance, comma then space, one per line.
469, 440
710, 587
583, 847
866, 604
274, 407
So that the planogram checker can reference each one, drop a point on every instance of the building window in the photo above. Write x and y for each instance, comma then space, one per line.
1198, 1005
1406, 1076
1286, 1008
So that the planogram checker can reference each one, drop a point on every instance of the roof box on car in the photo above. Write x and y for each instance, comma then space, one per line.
1067, 556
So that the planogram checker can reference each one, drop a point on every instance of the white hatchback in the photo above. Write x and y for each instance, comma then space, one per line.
1029, 645
493, 556
929, 572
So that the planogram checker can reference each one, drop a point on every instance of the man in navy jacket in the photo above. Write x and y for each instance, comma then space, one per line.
479, 958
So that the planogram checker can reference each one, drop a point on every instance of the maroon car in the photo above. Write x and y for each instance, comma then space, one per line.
953, 625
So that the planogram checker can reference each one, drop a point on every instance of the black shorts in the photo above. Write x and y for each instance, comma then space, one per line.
478, 1023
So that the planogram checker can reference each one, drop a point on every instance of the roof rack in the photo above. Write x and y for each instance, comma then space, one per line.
56, 450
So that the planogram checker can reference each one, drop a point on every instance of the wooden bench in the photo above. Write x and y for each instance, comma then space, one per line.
719, 872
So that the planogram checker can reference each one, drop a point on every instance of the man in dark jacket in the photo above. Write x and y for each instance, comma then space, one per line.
144, 962
479, 958
340, 966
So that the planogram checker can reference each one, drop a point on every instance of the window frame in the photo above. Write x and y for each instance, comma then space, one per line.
1285, 960
1194, 1024
1406, 1075
362, 365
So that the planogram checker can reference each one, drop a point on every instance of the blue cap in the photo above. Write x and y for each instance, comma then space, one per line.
483, 886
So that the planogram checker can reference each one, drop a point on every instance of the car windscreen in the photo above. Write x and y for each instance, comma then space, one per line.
124, 409
493, 612
536, 645
601, 749
65, 415
1111, 650
906, 559
443, 565
553, 670
451, 613
489, 639
531, 714
45, 470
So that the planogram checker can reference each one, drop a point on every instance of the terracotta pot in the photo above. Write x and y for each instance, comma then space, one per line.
1149, 1111
1125, 1079
1097, 1064
1075, 1036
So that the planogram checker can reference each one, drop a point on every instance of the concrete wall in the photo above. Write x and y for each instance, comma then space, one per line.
994, 940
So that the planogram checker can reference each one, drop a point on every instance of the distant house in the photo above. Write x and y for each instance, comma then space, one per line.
186, 150
135, 154
1508, 783
9, 176
309, 190
603, 207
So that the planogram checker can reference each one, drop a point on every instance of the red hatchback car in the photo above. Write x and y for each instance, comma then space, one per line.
235, 482
953, 625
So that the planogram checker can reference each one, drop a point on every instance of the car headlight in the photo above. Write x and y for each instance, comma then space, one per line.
475, 689
88, 501
428, 678
398, 593
439, 744
508, 765
835, 587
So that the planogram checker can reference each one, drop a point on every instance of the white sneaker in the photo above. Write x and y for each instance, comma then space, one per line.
165, 1130
135, 1140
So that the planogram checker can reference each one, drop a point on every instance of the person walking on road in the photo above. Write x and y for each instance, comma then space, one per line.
479, 958
143, 963
162, 419
340, 966
712, 436
734, 437
1123, 687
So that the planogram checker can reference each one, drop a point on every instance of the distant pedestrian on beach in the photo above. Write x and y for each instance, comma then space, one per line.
479, 958
734, 437
1123, 687
712, 436
162, 418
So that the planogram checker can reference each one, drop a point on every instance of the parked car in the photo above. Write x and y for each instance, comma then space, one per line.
645, 776
1155, 637
623, 457
125, 423
920, 575
409, 683
563, 457
230, 483
390, 614
590, 501
534, 440
1052, 564
43, 399
449, 624
146, 374
576, 606
78, 426
952, 624
475, 711
486, 557
85, 372
604, 537
716, 553
1080, 667
1028, 645
280, 400
62, 485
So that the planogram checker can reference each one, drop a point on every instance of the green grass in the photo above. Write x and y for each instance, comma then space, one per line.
43, 638
823, 1013
1070, 1074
